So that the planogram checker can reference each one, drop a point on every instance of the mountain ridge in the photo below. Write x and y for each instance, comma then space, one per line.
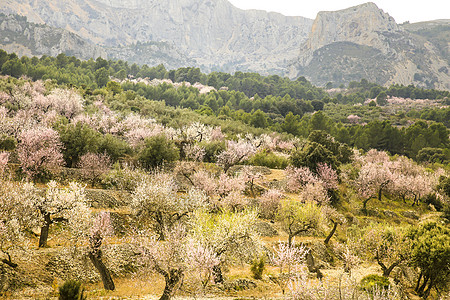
340, 46
244, 40
26, 38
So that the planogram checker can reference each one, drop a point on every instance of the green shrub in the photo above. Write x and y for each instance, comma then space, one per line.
71, 290
122, 178
257, 268
212, 149
8, 143
369, 282
157, 151
268, 159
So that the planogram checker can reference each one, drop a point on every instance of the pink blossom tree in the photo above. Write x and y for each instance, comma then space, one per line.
169, 259
297, 178
314, 192
328, 176
93, 165
249, 175
269, 204
235, 153
38, 151
289, 259
202, 260
372, 180
66, 102
4, 158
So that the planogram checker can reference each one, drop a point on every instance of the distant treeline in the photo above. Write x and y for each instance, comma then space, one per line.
95, 74
268, 102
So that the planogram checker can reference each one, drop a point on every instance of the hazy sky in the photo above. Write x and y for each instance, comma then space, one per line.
401, 10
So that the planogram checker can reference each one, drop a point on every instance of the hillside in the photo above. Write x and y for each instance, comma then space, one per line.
25, 38
114, 188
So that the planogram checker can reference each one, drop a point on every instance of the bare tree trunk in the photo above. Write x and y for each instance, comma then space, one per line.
387, 271
424, 284
9, 262
428, 290
217, 274
327, 240
96, 258
172, 279
44, 231
365, 203
290, 237
418, 282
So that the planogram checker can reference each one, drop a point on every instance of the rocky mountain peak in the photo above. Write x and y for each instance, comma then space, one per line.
358, 24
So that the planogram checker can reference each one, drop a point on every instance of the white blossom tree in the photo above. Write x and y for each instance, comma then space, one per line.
16, 216
156, 199
56, 205
228, 235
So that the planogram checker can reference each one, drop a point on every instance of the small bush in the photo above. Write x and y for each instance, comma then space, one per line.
434, 200
71, 290
370, 282
212, 149
268, 159
8, 143
157, 151
446, 211
257, 268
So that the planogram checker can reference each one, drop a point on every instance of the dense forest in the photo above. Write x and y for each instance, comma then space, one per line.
116, 176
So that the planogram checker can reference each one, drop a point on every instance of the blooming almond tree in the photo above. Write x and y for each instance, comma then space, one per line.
16, 216
202, 260
269, 204
101, 228
93, 165
373, 179
88, 232
156, 199
38, 151
4, 158
57, 205
297, 178
290, 259
168, 258
249, 175
235, 153
228, 235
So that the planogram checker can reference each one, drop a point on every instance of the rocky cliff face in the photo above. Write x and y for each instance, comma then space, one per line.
24, 38
359, 24
364, 42
340, 46
213, 33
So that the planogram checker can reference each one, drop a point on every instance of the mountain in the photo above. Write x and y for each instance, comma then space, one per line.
212, 33
338, 46
25, 38
365, 42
